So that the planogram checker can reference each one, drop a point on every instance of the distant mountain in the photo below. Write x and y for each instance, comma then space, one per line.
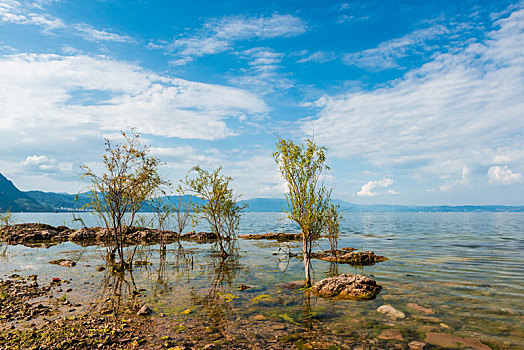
264, 204
277, 204
11, 198
59, 201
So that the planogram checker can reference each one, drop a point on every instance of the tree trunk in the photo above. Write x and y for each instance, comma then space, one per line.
307, 259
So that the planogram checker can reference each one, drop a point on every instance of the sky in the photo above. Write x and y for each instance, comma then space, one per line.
417, 102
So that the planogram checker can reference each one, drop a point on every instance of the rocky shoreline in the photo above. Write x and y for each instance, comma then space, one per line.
31, 234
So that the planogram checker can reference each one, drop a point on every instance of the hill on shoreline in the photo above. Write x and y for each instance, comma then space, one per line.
12, 199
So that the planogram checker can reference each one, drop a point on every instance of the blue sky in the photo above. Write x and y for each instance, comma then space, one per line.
417, 102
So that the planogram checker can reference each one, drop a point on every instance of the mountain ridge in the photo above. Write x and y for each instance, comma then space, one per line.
12, 199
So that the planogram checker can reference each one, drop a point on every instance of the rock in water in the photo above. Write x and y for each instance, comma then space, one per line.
348, 287
144, 311
391, 311
63, 262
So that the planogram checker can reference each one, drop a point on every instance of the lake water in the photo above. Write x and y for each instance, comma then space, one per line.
467, 267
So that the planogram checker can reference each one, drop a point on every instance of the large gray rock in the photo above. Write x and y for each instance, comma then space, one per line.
348, 287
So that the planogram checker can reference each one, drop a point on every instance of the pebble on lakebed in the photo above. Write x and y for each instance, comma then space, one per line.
348, 287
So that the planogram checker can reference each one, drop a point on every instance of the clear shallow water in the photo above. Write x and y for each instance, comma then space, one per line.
467, 267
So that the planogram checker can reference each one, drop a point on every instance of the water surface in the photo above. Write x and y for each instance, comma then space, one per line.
467, 267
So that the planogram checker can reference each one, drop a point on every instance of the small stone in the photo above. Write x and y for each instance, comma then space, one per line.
259, 317
420, 308
33, 284
242, 287
391, 334
391, 311
416, 345
144, 311
443, 325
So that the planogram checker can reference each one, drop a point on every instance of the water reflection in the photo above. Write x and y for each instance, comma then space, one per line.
215, 301
117, 292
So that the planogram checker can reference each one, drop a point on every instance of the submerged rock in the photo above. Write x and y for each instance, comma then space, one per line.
348, 287
452, 341
63, 262
391, 334
416, 345
391, 311
421, 308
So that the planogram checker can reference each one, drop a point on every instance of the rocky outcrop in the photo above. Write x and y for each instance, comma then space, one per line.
279, 236
199, 236
32, 233
348, 287
29, 232
350, 257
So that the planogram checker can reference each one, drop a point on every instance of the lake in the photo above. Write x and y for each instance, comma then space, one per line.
454, 273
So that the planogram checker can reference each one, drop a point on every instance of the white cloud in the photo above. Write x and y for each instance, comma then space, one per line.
68, 96
461, 110
503, 176
39, 164
263, 74
34, 13
387, 54
219, 35
367, 189
89, 33
26, 12
319, 57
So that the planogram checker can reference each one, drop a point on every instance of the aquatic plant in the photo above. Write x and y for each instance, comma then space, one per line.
303, 167
334, 216
129, 179
219, 206
6, 219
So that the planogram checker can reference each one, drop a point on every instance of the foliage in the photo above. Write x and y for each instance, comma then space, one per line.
303, 167
129, 179
334, 216
182, 213
219, 208
6, 219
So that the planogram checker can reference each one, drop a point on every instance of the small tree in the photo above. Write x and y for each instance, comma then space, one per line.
219, 207
303, 167
6, 219
182, 212
334, 216
130, 178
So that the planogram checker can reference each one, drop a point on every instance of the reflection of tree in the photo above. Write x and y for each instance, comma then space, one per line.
180, 267
333, 269
307, 322
117, 291
4, 256
215, 301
